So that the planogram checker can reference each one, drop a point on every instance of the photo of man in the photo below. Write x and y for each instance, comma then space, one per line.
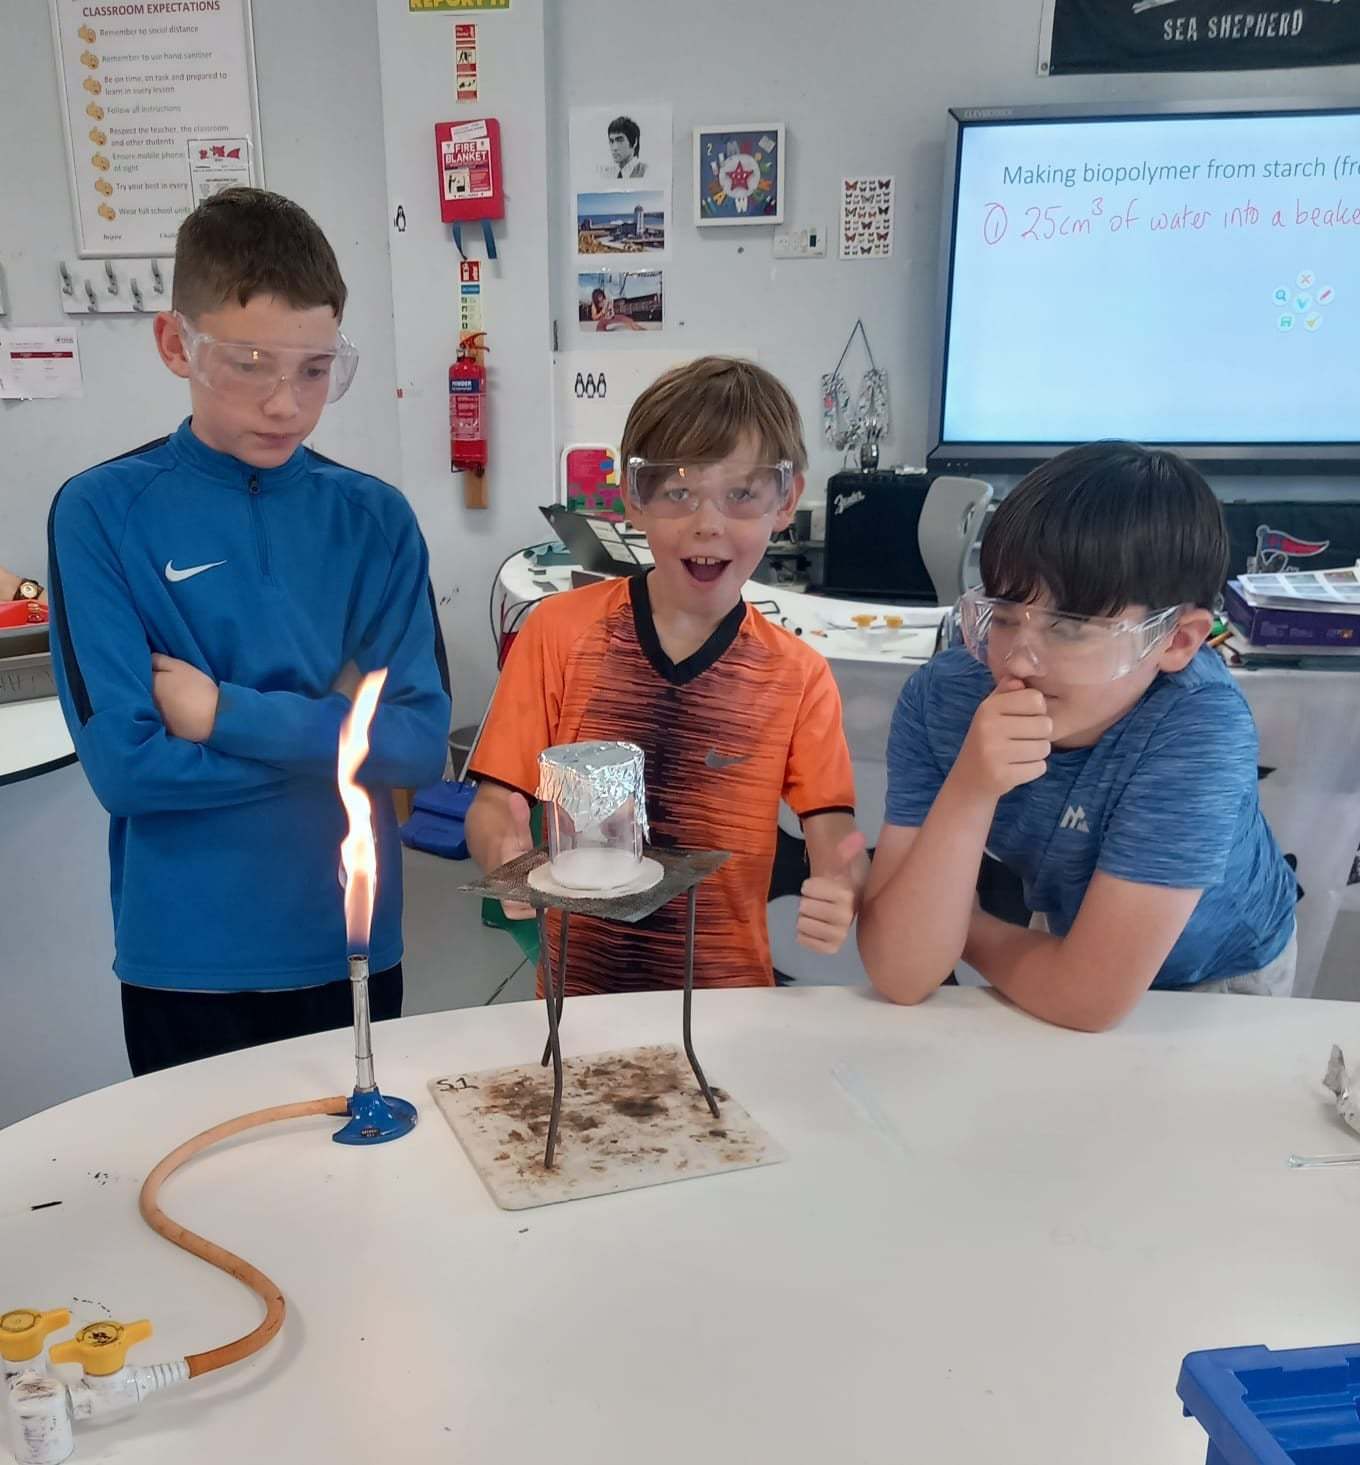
620, 156
625, 138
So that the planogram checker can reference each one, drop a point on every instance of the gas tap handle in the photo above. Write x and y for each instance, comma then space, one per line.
101, 1348
24, 1331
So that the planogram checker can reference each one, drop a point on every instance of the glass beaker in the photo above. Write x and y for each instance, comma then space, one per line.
597, 855
595, 810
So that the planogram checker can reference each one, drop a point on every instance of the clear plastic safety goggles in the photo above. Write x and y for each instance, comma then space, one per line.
252, 373
1029, 641
675, 490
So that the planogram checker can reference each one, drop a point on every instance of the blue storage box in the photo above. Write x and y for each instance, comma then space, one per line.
437, 821
1263, 1408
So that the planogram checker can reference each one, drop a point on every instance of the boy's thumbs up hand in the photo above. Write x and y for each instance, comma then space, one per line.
828, 904
518, 841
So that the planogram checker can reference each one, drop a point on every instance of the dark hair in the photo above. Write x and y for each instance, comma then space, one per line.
598, 295
628, 128
700, 410
244, 242
1105, 526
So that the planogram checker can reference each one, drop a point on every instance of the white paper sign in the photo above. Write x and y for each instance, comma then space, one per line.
140, 79
216, 163
40, 361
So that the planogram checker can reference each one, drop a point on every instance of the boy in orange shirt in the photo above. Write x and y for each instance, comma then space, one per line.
732, 713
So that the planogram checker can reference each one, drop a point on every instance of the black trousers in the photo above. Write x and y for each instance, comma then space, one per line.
163, 1029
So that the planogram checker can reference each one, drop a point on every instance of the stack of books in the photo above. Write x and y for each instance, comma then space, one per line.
1300, 613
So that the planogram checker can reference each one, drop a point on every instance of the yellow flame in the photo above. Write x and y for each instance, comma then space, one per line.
358, 854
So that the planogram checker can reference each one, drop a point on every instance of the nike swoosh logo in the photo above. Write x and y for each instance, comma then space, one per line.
175, 576
718, 761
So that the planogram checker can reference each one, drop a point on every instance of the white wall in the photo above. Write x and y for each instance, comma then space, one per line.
307, 112
467, 545
863, 86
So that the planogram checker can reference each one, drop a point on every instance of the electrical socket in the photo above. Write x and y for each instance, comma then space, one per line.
807, 243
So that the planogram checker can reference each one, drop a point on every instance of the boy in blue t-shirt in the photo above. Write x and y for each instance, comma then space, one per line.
1086, 738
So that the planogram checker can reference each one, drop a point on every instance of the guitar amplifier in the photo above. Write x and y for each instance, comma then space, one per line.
1268, 535
871, 544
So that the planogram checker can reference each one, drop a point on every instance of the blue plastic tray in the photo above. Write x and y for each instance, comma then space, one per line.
1264, 1408
437, 822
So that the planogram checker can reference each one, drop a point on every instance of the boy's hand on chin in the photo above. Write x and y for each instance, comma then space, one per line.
1008, 743
185, 697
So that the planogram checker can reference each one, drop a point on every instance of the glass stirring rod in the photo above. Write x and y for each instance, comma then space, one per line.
1312, 1162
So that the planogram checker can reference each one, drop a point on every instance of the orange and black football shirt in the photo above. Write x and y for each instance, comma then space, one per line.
751, 718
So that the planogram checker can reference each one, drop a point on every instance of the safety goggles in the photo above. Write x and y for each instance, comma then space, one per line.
675, 490
1029, 641
251, 373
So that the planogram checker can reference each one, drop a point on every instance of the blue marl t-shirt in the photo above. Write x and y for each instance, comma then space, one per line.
1167, 796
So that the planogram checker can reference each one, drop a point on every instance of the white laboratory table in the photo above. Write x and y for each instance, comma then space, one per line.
1309, 738
992, 1240
824, 622
33, 739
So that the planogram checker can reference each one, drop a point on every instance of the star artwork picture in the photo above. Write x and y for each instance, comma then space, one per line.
739, 174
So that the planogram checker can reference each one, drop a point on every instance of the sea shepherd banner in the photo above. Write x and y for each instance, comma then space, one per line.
1196, 35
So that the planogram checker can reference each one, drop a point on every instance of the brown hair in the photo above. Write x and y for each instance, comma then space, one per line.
700, 410
244, 242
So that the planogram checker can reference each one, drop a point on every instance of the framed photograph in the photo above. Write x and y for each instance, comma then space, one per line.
739, 174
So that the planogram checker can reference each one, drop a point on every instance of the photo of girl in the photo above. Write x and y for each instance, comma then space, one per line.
630, 300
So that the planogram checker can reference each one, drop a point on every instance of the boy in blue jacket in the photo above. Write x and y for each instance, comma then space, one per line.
216, 596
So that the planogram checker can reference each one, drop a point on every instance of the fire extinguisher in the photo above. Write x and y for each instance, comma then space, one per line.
467, 418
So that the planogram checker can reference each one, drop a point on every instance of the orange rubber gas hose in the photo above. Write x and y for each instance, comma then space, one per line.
219, 1256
